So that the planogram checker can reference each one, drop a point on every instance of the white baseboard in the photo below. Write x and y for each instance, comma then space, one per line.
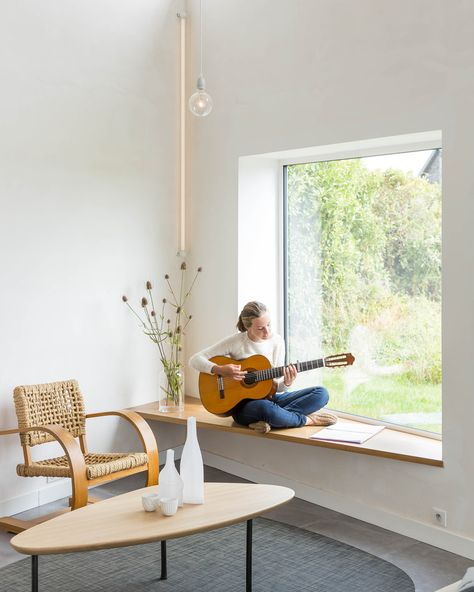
43, 495
426, 533
53, 491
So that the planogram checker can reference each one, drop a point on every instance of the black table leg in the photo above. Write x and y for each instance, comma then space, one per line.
164, 572
248, 579
34, 573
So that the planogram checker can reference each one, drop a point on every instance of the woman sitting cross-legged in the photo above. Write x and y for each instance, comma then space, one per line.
284, 409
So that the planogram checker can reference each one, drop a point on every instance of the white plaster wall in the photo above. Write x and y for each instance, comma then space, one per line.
88, 168
289, 74
88, 180
259, 223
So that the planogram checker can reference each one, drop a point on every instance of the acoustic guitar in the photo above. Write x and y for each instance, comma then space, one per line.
220, 395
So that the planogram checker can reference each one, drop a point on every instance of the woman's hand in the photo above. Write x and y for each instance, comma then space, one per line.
233, 371
289, 374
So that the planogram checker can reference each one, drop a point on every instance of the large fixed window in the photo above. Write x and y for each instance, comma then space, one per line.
362, 243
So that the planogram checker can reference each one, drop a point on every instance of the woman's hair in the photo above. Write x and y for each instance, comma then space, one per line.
252, 310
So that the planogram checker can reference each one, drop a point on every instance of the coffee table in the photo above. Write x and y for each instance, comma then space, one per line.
121, 522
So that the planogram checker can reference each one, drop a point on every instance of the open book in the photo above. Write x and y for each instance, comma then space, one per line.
347, 432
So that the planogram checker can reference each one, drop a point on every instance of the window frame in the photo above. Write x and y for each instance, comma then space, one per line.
377, 147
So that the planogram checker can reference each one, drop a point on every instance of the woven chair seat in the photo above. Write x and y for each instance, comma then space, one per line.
97, 465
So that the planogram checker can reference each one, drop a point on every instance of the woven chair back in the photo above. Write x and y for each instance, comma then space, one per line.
53, 403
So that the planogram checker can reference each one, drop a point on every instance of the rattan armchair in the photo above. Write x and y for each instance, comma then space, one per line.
55, 412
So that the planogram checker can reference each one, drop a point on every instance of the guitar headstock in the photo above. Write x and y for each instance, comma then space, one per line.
339, 360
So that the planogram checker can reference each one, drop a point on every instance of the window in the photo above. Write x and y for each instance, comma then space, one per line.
362, 242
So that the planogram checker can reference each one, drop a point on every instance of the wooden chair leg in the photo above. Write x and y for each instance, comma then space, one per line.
90, 500
79, 493
153, 469
16, 525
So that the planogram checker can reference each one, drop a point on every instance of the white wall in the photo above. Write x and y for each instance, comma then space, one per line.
286, 75
88, 121
88, 168
259, 224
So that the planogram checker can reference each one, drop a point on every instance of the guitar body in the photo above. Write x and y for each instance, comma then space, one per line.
220, 395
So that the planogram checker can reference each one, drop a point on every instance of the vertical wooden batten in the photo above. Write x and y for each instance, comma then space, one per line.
182, 136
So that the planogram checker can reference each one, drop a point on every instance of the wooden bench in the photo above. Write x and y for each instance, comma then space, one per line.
388, 443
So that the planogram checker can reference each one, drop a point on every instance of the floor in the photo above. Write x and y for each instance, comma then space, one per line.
429, 567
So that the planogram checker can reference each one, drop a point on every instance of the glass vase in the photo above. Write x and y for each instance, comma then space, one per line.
171, 397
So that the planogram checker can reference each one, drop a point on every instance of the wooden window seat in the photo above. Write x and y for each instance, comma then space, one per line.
388, 443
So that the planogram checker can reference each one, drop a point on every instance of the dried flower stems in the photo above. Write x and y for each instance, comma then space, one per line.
168, 341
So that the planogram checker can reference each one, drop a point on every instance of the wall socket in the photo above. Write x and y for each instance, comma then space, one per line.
439, 517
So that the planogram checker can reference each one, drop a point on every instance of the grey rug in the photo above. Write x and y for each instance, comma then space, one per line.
285, 559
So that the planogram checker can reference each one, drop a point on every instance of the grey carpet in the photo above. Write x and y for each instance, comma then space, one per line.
285, 559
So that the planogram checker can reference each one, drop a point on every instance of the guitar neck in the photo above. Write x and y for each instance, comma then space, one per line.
279, 370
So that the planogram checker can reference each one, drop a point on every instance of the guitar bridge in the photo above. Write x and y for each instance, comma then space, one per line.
220, 386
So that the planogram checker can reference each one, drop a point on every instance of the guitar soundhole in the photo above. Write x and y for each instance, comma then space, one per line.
250, 378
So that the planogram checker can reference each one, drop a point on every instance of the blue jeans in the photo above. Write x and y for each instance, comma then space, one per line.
283, 410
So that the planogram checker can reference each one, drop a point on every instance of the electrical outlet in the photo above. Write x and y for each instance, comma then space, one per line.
440, 517
53, 479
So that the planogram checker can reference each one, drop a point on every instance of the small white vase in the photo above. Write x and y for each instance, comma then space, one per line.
170, 483
192, 467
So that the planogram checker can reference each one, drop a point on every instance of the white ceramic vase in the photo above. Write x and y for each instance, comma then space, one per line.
170, 483
192, 467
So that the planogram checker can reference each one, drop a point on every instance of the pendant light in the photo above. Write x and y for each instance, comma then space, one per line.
200, 103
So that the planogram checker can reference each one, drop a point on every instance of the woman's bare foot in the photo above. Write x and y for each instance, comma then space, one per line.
321, 418
262, 427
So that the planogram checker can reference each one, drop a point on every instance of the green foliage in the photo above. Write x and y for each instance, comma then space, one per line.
410, 335
410, 211
385, 396
365, 249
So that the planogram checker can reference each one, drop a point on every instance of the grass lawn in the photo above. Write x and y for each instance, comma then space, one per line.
382, 396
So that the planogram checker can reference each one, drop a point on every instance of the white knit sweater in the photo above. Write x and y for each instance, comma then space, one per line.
239, 346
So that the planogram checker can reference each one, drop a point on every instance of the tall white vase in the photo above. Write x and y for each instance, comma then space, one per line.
192, 468
170, 483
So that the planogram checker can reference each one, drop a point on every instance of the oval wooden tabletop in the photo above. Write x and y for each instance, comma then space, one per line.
121, 521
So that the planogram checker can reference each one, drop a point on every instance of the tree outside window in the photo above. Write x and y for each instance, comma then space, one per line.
363, 259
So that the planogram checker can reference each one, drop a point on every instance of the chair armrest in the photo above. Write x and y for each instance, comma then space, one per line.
73, 453
8, 432
145, 433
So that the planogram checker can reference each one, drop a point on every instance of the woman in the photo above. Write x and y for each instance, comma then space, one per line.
282, 410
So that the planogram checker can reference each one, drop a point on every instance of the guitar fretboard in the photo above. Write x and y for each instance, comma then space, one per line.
259, 375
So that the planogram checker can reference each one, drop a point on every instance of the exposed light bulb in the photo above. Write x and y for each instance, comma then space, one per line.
200, 103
